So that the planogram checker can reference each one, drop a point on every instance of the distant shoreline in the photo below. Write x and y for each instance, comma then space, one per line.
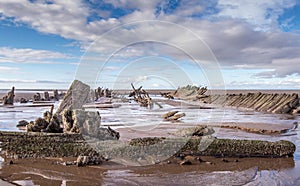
28, 93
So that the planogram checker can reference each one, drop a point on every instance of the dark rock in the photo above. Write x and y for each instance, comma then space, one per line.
11, 162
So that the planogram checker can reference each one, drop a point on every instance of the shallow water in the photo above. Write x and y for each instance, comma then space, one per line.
130, 115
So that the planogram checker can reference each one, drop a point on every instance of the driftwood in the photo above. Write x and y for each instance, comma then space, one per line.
77, 95
37, 97
9, 98
48, 123
47, 96
103, 105
190, 92
141, 97
56, 95
271, 103
102, 92
173, 115
167, 95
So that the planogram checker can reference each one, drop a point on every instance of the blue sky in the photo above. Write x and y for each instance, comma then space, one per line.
249, 44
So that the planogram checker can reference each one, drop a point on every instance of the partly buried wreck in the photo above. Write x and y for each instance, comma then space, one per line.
72, 131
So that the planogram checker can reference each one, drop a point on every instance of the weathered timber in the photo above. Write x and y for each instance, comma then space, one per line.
87, 123
9, 98
62, 145
167, 95
47, 96
190, 92
141, 96
75, 98
35, 144
271, 103
37, 97
56, 95
240, 148
262, 102
173, 115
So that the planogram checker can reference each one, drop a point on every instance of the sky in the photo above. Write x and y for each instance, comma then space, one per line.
230, 44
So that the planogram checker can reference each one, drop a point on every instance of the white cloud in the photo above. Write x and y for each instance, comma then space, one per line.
262, 14
27, 55
285, 67
5, 69
65, 18
292, 82
242, 34
133, 4
31, 81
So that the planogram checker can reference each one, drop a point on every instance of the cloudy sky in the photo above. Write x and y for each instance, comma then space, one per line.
247, 44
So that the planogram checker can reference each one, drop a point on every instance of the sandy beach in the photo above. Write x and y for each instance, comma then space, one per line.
235, 124
50, 172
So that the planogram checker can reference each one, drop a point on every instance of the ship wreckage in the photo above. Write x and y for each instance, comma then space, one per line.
73, 131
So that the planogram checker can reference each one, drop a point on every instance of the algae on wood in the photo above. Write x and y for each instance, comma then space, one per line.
35, 144
60, 145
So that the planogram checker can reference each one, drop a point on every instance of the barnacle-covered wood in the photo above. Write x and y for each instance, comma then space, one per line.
36, 144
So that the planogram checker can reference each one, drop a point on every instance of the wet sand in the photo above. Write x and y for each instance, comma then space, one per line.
51, 172
242, 170
169, 130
